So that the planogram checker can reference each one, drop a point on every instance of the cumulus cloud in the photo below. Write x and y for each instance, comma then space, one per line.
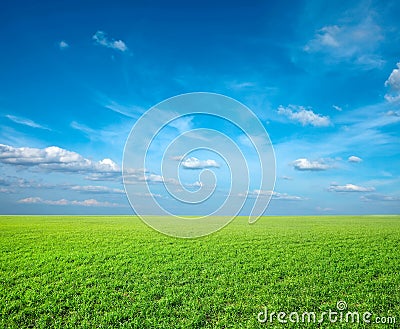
304, 116
354, 158
274, 195
63, 45
154, 178
379, 197
194, 163
356, 44
25, 122
304, 164
393, 82
101, 38
350, 188
65, 202
54, 158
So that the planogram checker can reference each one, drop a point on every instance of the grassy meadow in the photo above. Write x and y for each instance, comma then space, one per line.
115, 272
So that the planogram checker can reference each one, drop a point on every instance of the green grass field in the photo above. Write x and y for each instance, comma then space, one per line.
102, 272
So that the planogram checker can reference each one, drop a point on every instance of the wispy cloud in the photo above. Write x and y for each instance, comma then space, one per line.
20, 182
101, 38
128, 111
350, 188
393, 113
304, 116
65, 202
337, 108
177, 157
235, 85
26, 122
354, 43
84, 129
109, 134
148, 195
324, 209
304, 164
380, 197
194, 163
96, 189
182, 124
273, 194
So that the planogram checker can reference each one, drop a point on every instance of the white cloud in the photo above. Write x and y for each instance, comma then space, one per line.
352, 43
393, 82
113, 135
337, 108
64, 202
135, 176
235, 85
182, 124
101, 39
128, 111
63, 45
304, 116
350, 188
393, 114
304, 164
154, 178
274, 195
148, 195
354, 158
25, 183
286, 197
324, 209
54, 158
95, 189
194, 163
177, 157
25, 122
379, 197
89, 132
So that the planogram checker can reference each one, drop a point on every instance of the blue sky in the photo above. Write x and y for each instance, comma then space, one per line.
322, 76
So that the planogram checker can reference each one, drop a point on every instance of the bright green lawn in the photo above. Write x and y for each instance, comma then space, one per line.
100, 272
